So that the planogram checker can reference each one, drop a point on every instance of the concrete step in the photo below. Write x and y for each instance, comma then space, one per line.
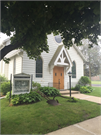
67, 92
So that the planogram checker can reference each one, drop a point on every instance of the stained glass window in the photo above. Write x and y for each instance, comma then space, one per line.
39, 68
74, 70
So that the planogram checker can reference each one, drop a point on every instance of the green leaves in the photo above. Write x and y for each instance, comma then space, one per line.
72, 99
6, 60
33, 20
5, 87
31, 97
36, 85
84, 80
50, 91
86, 89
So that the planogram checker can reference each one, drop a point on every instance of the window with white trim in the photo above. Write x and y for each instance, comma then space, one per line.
39, 68
74, 70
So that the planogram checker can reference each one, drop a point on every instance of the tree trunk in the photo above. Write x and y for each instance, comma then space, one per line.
8, 49
11, 47
90, 72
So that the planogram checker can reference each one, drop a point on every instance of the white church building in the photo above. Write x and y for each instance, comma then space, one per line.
52, 68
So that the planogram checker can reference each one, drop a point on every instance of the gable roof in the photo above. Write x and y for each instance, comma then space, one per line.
61, 57
79, 52
22, 74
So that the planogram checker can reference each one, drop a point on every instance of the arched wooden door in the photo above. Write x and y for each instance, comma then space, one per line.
58, 76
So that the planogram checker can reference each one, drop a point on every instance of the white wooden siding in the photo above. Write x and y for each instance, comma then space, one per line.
4, 68
79, 66
28, 65
1, 67
10, 68
18, 64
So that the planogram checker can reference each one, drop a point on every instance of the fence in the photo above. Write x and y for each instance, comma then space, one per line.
55, 85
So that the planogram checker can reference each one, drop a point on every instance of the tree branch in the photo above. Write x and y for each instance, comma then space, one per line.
8, 49
11, 47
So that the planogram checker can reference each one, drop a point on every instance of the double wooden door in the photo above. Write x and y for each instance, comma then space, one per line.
58, 77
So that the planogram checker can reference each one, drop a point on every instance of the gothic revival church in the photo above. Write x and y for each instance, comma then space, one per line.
52, 68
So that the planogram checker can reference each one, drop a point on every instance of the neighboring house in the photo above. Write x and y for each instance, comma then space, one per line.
95, 78
52, 68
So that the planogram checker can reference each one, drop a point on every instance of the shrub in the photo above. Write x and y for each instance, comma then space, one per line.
84, 80
3, 78
15, 100
77, 87
31, 97
49, 91
90, 88
5, 87
72, 88
36, 85
72, 99
84, 89
8, 94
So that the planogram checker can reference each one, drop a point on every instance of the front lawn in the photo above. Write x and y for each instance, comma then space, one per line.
96, 92
96, 82
42, 118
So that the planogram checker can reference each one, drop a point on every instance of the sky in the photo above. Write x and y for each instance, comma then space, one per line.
3, 37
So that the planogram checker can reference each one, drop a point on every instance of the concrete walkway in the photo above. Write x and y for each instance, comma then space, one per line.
2, 97
87, 97
87, 127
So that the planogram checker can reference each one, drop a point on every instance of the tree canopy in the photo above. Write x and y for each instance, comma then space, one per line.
31, 21
93, 55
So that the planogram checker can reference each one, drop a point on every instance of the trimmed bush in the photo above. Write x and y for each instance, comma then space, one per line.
84, 89
5, 87
31, 97
84, 80
50, 91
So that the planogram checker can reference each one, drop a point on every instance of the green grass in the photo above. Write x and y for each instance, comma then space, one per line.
96, 92
96, 82
42, 118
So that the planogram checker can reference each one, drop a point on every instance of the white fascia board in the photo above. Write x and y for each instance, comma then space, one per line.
13, 53
63, 49
80, 53
62, 64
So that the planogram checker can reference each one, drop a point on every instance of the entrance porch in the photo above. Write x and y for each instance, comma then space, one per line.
67, 92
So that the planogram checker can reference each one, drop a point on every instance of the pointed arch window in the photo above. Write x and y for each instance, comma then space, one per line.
39, 68
74, 70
